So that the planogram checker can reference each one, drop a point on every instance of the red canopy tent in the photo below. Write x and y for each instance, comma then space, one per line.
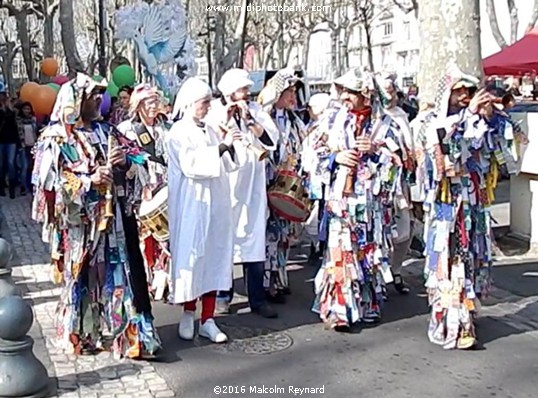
518, 59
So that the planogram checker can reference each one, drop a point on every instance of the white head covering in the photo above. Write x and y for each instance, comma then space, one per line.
192, 90
356, 80
140, 93
276, 85
319, 102
232, 80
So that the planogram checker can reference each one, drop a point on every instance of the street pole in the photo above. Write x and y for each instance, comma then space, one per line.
102, 38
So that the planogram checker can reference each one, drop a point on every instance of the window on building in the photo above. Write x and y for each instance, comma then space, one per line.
407, 30
387, 29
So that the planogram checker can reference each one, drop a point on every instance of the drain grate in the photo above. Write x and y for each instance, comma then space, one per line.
253, 341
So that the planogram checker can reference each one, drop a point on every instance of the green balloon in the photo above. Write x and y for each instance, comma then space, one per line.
97, 78
124, 75
112, 89
54, 86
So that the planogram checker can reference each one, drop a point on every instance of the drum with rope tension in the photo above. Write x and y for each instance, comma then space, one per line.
288, 197
153, 214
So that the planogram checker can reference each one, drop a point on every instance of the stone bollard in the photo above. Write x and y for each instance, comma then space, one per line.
22, 375
7, 287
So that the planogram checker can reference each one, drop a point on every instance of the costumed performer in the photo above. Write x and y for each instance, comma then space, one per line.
148, 126
248, 184
94, 251
467, 142
279, 99
403, 138
317, 104
362, 182
200, 210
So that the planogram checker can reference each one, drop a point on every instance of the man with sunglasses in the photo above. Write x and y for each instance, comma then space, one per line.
358, 214
148, 126
79, 180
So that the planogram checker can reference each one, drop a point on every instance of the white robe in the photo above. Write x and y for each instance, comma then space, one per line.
199, 212
248, 187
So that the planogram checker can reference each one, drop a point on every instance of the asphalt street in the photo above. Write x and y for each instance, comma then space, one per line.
393, 359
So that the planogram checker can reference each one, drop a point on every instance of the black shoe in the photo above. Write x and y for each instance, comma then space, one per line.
400, 286
277, 298
265, 311
23, 191
12, 191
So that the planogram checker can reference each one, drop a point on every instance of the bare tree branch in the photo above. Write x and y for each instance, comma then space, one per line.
534, 17
490, 10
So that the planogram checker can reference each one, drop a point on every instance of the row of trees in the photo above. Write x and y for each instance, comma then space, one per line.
45, 28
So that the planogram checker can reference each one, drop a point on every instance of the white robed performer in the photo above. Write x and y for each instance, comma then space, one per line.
200, 211
248, 183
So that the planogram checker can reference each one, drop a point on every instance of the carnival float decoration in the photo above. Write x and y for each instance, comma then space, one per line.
159, 32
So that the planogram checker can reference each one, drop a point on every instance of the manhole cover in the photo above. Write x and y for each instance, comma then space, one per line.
253, 341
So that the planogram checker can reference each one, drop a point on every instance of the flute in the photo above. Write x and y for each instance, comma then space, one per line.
349, 186
109, 196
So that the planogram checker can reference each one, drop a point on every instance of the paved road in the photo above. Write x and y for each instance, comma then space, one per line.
393, 359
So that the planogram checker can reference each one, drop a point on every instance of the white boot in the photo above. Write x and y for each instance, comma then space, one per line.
186, 325
210, 331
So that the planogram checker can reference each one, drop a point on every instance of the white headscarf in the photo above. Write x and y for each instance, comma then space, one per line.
192, 91
232, 80
319, 102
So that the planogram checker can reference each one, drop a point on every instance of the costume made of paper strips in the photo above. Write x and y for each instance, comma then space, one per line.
92, 255
281, 233
360, 224
464, 152
147, 180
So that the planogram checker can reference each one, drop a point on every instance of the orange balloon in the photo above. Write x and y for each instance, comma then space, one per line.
28, 90
49, 67
43, 100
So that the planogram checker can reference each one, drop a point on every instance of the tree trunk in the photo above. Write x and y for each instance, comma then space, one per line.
48, 29
452, 34
68, 38
335, 33
368, 36
8, 55
514, 20
26, 46
534, 16
306, 51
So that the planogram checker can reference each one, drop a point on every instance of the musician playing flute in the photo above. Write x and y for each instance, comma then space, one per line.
94, 253
279, 99
200, 210
148, 126
361, 183
467, 141
248, 184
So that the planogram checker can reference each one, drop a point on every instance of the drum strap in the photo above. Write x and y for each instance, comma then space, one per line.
146, 140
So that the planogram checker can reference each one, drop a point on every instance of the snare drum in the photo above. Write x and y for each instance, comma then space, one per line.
153, 214
288, 198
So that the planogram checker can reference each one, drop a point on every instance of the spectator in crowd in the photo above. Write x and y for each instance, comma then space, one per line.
9, 142
27, 128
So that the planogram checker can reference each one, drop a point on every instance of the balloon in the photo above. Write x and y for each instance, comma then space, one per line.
54, 86
112, 89
105, 104
123, 75
43, 100
49, 67
28, 91
97, 78
59, 80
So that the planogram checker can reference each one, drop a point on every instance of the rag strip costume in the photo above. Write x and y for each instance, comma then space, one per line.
360, 221
148, 180
200, 213
96, 257
464, 152
280, 231
318, 103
